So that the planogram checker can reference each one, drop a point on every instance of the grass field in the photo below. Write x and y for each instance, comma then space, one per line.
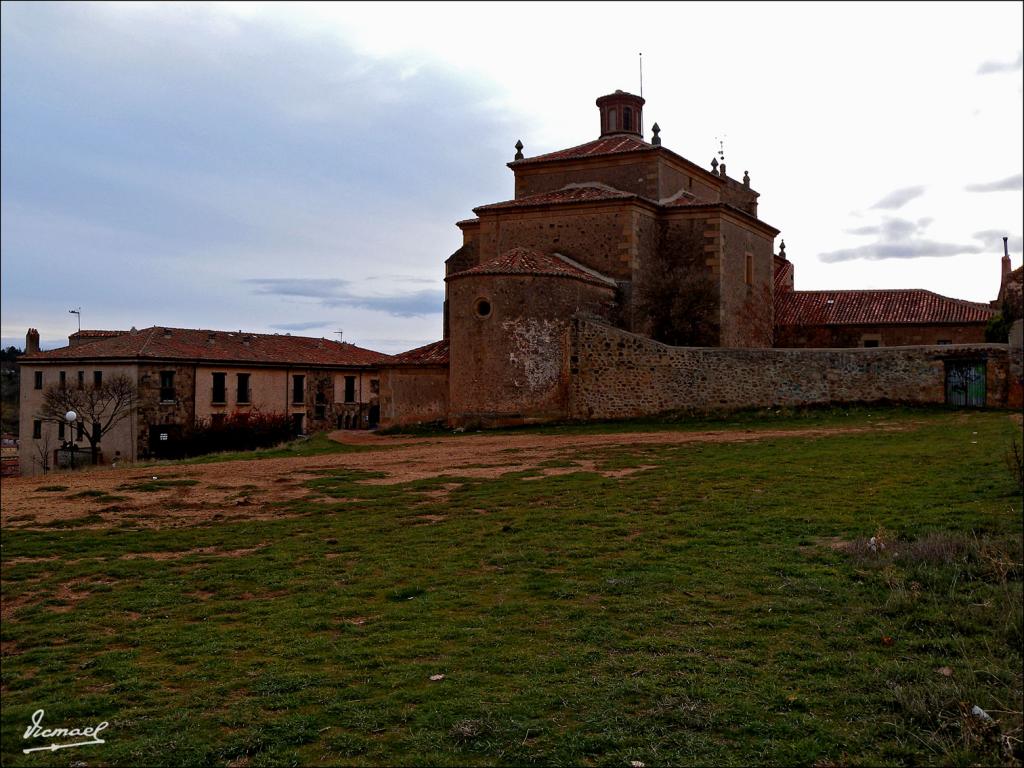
668, 603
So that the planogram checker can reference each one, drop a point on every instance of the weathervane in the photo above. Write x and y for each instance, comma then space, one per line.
641, 74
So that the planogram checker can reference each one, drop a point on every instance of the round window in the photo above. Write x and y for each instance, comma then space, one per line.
483, 308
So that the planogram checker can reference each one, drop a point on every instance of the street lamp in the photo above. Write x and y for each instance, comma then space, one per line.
71, 417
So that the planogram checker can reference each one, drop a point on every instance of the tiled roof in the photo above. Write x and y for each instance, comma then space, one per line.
613, 145
528, 261
573, 193
783, 272
430, 354
881, 307
96, 334
159, 343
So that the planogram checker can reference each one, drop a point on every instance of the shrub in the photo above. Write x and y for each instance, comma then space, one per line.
237, 432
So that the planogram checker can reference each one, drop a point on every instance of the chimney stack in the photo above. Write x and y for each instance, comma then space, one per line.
31, 341
1007, 267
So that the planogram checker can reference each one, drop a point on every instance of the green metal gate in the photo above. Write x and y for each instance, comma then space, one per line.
965, 383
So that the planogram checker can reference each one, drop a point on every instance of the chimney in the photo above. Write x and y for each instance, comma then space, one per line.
1007, 267
31, 341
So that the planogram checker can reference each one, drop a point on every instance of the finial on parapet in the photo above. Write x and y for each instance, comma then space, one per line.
655, 138
714, 165
519, 149
746, 178
782, 249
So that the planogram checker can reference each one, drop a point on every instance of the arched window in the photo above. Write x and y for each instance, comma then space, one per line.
627, 119
612, 120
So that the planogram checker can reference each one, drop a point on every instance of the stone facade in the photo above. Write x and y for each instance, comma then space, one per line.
413, 394
506, 363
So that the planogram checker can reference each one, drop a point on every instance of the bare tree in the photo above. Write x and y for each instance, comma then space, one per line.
675, 300
100, 407
42, 449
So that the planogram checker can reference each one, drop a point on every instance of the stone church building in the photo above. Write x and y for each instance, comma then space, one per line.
627, 236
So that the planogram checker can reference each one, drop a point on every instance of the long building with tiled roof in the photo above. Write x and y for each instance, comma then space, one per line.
184, 376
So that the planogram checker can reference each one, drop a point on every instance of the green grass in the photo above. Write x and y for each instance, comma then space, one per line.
696, 612
315, 445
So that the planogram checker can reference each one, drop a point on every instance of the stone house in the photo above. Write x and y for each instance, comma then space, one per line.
187, 375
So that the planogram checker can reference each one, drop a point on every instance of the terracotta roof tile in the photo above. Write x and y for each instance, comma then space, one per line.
430, 354
159, 343
528, 261
573, 193
613, 145
783, 273
881, 307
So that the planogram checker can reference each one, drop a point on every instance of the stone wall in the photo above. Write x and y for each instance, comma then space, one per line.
179, 412
598, 236
614, 374
413, 394
507, 362
746, 308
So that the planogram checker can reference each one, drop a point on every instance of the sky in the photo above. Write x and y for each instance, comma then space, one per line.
298, 168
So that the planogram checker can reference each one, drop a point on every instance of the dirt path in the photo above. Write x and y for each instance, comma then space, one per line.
250, 489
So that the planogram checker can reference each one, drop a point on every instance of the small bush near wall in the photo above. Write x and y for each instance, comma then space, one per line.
237, 432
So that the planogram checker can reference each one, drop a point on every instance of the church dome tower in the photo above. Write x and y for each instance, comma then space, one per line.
621, 113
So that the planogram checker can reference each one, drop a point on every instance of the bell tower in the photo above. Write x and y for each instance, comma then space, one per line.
621, 113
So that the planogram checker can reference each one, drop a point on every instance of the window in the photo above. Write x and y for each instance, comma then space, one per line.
220, 387
483, 308
627, 119
350, 389
374, 386
79, 431
870, 342
321, 406
63, 379
97, 379
39, 380
944, 342
166, 386
60, 430
37, 429
244, 395
750, 269
298, 389
81, 379
612, 122
297, 423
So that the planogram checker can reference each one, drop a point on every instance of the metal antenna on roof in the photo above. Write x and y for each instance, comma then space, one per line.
721, 148
641, 74
341, 334
79, 313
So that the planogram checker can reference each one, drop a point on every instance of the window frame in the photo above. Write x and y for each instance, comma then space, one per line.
247, 391
167, 386
223, 400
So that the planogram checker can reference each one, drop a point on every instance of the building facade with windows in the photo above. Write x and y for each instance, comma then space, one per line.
184, 376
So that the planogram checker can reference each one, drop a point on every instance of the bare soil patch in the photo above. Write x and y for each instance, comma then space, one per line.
254, 489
